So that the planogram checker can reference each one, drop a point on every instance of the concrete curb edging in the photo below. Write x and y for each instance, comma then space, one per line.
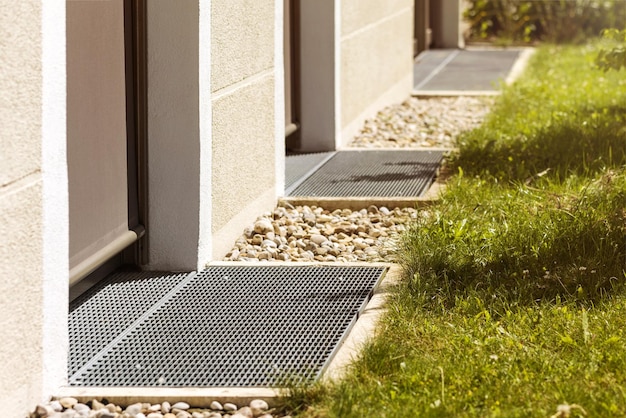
365, 328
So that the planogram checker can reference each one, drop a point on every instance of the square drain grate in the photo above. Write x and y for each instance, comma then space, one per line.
227, 326
463, 70
300, 166
401, 173
101, 315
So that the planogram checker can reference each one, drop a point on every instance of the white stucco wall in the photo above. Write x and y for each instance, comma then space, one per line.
376, 59
179, 118
356, 57
244, 101
33, 203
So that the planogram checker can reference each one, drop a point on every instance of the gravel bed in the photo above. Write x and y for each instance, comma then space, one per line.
71, 408
306, 233
423, 123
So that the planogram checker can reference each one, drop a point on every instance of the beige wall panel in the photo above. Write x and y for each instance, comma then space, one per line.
32, 107
21, 299
21, 230
243, 149
356, 14
20, 89
373, 61
242, 33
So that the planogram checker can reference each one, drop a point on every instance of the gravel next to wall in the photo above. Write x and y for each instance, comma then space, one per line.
306, 233
423, 123
71, 408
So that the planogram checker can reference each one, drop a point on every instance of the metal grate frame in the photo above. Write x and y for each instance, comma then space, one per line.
402, 173
463, 70
299, 166
100, 315
227, 326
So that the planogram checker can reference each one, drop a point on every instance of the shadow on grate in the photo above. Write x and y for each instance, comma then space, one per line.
376, 173
463, 70
227, 326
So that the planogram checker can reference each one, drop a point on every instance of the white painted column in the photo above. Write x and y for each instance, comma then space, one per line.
55, 199
179, 134
279, 97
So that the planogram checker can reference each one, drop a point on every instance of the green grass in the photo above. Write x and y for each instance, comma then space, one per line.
564, 115
513, 301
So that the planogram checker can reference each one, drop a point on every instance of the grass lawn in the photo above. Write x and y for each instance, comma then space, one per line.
514, 298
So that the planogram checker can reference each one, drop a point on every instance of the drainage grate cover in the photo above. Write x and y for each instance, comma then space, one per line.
227, 326
373, 174
463, 70
300, 166
100, 315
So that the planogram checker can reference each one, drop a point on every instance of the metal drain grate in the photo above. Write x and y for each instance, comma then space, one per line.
458, 70
100, 315
243, 326
300, 166
373, 174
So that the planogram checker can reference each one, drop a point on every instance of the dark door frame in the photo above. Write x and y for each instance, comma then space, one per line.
292, 66
135, 48
137, 127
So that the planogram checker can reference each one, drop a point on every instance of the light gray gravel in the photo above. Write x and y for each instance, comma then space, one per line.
71, 408
306, 233
423, 123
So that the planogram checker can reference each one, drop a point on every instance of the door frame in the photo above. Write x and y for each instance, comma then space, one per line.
291, 54
135, 20
133, 248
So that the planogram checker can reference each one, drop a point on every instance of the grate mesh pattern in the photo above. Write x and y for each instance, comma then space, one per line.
480, 70
97, 317
244, 326
373, 174
298, 166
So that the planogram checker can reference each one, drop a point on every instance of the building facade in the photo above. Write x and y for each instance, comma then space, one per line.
154, 131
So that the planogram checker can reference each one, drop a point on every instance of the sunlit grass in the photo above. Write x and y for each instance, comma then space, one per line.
564, 116
513, 303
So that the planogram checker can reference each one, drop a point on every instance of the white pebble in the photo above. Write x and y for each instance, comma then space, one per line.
230, 407
258, 406
181, 405
68, 402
